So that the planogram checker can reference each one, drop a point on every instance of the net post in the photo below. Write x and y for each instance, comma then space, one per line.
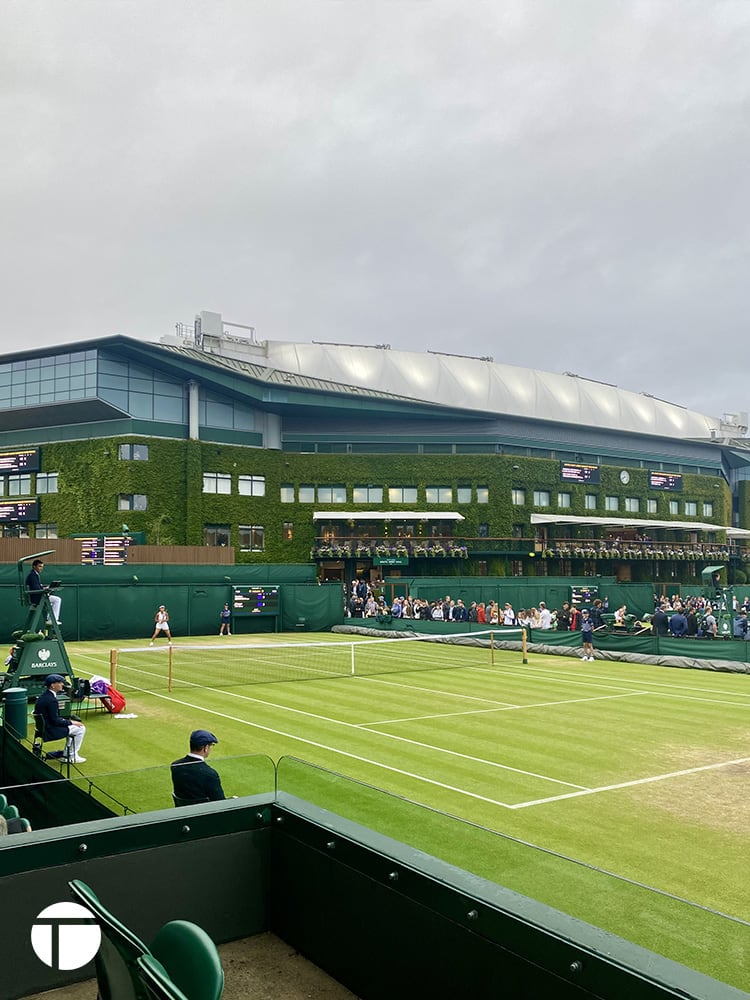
113, 667
492, 649
169, 684
523, 645
352, 659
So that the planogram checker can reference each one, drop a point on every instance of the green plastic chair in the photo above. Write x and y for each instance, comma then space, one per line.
191, 960
3, 801
10, 812
156, 981
116, 961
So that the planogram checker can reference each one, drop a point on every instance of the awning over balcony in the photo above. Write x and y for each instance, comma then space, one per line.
640, 523
388, 515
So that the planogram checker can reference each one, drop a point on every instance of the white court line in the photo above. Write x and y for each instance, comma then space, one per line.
352, 725
577, 677
506, 708
336, 750
631, 784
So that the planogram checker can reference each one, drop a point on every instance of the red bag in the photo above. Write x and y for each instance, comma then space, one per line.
113, 701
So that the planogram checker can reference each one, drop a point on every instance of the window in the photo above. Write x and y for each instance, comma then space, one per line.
438, 494
708, 510
132, 501
367, 494
674, 507
563, 500
651, 506
286, 493
611, 503
516, 567
541, 498
46, 482
691, 508
589, 501
484, 530
251, 486
402, 494
518, 497
19, 486
133, 452
482, 567
463, 494
632, 505
252, 538
483, 494
216, 534
217, 482
287, 531
46, 531
306, 493
332, 494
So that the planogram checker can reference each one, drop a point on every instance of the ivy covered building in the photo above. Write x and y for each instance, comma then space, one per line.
366, 460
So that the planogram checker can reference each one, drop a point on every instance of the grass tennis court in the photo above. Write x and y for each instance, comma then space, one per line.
636, 770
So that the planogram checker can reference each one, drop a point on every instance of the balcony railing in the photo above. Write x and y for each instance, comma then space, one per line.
462, 548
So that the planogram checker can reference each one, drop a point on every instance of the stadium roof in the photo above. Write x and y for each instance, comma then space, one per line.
461, 383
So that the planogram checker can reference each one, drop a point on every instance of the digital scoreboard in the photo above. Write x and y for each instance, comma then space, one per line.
583, 597
572, 472
16, 511
247, 601
671, 481
104, 550
22, 460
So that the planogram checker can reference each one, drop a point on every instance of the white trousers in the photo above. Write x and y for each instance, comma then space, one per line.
76, 734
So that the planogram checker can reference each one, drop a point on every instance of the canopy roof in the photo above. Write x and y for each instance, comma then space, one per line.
636, 522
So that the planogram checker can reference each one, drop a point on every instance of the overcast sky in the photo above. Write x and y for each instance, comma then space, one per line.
560, 184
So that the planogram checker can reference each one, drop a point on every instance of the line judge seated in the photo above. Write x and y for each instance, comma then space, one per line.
55, 726
193, 780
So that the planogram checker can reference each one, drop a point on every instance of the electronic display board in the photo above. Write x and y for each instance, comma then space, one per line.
22, 460
12, 511
104, 550
572, 472
583, 597
671, 481
255, 601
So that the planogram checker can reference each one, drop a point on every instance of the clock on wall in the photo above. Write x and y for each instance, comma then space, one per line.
625, 477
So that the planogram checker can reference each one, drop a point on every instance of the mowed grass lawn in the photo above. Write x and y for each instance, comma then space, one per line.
635, 770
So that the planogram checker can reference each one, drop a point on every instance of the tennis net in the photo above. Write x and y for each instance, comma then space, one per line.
224, 665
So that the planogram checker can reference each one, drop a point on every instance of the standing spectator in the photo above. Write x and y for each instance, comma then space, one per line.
678, 625
55, 727
575, 619
460, 612
563, 618
509, 615
596, 614
587, 635
545, 616
659, 621
709, 624
740, 625
161, 625
481, 615
225, 616
692, 623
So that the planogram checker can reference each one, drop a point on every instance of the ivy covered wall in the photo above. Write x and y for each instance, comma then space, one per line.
92, 477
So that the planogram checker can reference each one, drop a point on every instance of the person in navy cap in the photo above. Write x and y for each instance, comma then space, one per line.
192, 778
55, 727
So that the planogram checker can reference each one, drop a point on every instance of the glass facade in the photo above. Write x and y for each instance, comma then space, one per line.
137, 390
